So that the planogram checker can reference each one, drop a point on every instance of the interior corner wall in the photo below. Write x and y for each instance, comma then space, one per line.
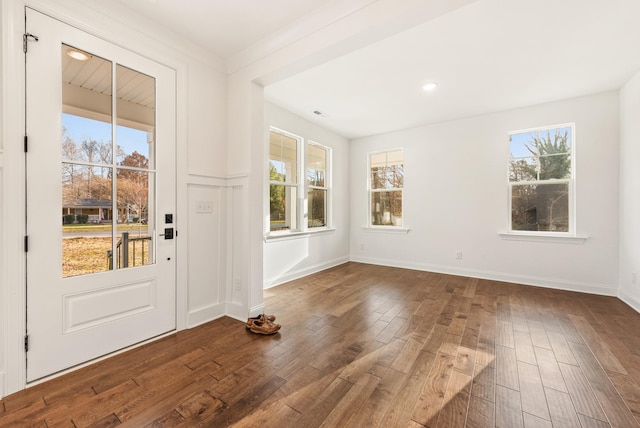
207, 188
629, 282
455, 199
293, 257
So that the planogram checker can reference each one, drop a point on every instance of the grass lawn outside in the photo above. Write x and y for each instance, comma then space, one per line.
85, 255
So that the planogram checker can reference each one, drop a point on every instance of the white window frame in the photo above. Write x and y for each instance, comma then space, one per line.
371, 191
300, 205
571, 232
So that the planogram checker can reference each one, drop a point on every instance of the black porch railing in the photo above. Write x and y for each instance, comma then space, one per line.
127, 247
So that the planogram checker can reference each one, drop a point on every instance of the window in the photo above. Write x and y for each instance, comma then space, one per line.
317, 185
287, 193
283, 181
386, 178
541, 179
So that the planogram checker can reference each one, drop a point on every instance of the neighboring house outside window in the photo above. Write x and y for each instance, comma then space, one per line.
290, 158
386, 181
541, 180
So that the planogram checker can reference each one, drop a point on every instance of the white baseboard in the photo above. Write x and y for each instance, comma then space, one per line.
630, 300
256, 310
559, 284
290, 276
206, 314
1, 385
237, 311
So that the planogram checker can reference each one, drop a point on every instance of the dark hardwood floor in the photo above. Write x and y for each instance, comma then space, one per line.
366, 346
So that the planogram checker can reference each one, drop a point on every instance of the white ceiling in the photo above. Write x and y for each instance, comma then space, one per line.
489, 56
225, 27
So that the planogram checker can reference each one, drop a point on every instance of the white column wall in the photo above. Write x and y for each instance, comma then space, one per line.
630, 193
456, 199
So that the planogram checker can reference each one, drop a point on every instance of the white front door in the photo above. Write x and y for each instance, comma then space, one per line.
100, 196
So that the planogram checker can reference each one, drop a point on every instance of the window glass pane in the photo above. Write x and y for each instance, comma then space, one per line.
86, 219
541, 207
283, 158
386, 208
316, 208
134, 245
387, 170
86, 140
543, 155
523, 169
282, 204
136, 102
316, 165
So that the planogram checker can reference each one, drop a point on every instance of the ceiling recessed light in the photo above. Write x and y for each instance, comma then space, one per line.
78, 55
430, 86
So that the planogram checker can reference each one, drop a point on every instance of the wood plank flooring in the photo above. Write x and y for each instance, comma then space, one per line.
370, 346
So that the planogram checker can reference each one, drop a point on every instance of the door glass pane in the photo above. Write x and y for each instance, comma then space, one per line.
136, 105
134, 242
135, 176
87, 163
86, 219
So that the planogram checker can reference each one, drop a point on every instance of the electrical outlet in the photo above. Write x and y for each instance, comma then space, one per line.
459, 255
204, 207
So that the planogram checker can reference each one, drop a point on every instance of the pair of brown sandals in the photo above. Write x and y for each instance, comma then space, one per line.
263, 324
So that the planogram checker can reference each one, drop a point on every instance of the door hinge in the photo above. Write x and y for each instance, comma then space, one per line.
26, 343
26, 244
28, 37
26, 144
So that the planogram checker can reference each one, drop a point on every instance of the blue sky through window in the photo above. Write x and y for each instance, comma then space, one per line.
518, 142
128, 139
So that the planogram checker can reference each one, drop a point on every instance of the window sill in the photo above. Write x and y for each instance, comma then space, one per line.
283, 236
544, 237
386, 229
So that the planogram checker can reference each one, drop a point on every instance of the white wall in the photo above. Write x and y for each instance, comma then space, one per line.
630, 192
201, 165
293, 257
455, 199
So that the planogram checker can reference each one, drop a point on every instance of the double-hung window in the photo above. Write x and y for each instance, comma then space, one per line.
299, 183
541, 180
386, 180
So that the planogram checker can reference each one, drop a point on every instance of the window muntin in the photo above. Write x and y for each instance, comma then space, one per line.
541, 177
291, 157
386, 181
